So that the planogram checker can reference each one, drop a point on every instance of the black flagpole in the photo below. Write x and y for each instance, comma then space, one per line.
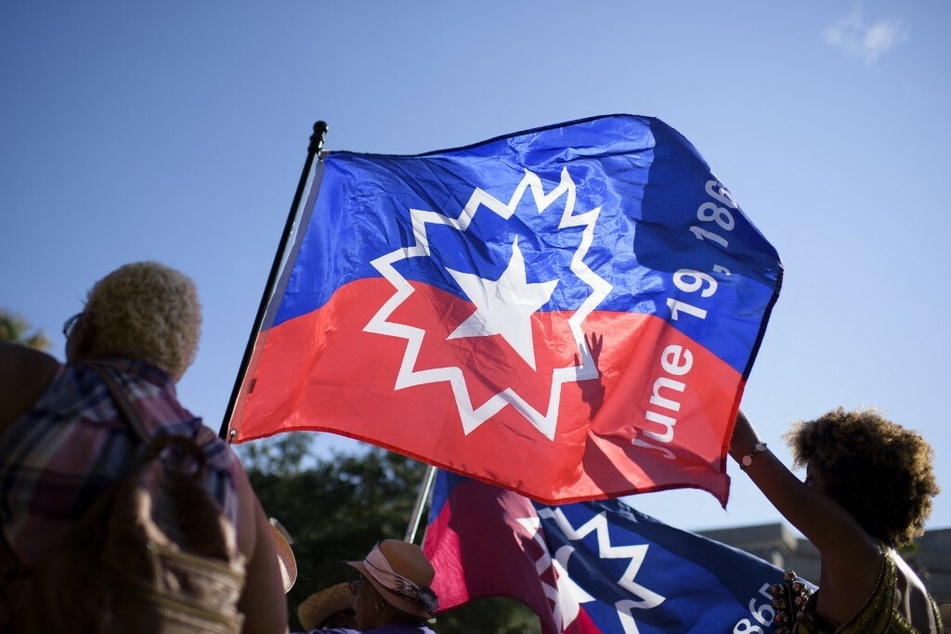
417, 514
316, 141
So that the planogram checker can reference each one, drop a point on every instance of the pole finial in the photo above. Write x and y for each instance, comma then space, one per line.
317, 138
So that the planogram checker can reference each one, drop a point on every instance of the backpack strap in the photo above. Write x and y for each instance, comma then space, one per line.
122, 402
155, 445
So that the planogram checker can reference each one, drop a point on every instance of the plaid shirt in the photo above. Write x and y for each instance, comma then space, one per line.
73, 443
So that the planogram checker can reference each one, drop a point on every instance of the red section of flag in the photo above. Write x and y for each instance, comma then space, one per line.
656, 418
469, 568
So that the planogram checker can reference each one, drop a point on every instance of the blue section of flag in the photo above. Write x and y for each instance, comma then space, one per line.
704, 585
662, 212
630, 565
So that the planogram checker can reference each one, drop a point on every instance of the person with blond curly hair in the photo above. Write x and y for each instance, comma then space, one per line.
868, 491
64, 440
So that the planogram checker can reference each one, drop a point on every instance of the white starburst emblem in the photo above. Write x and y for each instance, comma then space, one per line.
503, 307
566, 596
645, 599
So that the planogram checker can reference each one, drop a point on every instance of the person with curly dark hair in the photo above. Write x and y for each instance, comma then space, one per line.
868, 491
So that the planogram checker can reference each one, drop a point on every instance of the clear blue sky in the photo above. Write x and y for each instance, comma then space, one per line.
177, 130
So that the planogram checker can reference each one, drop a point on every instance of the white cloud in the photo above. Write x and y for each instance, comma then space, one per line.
856, 36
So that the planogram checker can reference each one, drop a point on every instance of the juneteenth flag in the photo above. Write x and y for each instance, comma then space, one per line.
590, 567
570, 312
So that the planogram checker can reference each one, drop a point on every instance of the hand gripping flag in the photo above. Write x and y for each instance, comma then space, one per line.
590, 567
570, 312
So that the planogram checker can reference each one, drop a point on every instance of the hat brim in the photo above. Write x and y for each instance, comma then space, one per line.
286, 559
319, 606
398, 602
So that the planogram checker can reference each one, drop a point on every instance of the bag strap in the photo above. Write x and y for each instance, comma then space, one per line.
155, 445
122, 402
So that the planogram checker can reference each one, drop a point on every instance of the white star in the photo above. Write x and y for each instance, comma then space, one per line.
504, 307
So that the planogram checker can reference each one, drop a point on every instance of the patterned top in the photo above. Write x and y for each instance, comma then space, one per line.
73, 443
878, 614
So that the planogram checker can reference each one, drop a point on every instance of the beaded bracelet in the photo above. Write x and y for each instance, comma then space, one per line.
747, 460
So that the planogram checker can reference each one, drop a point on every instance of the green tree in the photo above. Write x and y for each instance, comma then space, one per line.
337, 509
15, 329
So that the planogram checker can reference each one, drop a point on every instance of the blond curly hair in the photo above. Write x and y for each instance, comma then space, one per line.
146, 311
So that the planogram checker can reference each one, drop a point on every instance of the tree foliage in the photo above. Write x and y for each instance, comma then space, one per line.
15, 329
336, 509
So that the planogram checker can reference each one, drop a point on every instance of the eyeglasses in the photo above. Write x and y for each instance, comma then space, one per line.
356, 584
69, 323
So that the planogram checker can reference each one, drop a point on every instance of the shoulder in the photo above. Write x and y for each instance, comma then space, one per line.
24, 375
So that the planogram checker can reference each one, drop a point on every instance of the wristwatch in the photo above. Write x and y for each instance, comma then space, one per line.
747, 460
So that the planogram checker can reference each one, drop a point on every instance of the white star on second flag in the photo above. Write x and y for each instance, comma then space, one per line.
504, 307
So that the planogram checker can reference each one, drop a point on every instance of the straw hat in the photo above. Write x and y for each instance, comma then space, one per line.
285, 556
321, 605
390, 565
